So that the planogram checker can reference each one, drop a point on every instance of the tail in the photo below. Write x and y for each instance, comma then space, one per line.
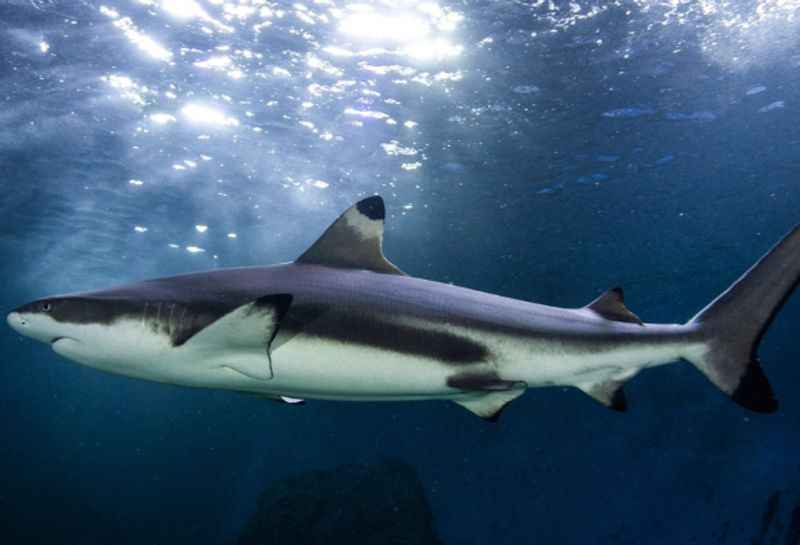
732, 325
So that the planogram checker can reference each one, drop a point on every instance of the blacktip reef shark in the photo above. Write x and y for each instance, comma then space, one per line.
343, 323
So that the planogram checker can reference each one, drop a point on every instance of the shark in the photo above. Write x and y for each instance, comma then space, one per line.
342, 322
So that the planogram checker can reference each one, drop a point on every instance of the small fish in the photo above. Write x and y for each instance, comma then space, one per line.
772, 106
622, 113
756, 89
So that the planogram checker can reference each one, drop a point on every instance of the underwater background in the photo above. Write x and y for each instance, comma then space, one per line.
541, 150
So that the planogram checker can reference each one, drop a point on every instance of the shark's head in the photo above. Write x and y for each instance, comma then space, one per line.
131, 329
75, 326
47, 320
152, 330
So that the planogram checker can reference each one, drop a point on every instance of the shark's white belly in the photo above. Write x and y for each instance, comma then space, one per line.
304, 367
317, 368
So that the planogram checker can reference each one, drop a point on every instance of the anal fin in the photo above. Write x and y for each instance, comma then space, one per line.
609, 393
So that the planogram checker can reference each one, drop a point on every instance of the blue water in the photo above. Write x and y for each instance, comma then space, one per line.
542, 150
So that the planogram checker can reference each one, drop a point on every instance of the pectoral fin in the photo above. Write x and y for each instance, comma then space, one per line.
258, 370
253, 325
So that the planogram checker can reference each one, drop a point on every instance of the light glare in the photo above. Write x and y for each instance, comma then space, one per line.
201, 114
372, 26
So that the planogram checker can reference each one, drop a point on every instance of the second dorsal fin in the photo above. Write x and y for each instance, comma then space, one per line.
354, 241
611, 306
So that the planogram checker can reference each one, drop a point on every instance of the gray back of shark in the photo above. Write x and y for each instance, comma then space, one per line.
342, 322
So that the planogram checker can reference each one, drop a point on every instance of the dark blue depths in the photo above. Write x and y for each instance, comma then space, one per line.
545, 152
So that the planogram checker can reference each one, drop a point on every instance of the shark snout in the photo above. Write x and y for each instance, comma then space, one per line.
33, 325
16, 321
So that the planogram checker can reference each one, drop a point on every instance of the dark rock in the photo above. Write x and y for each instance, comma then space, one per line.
770, 510
793, 534
778, 525
374, 504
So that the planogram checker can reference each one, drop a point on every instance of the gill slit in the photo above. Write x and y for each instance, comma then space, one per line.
170, 322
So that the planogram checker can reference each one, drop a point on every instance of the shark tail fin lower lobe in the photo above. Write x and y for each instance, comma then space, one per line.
733, 324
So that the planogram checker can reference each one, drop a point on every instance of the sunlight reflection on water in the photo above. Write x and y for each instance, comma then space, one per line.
338, 72
348, 98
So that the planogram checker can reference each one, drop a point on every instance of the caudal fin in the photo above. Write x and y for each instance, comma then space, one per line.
732, 325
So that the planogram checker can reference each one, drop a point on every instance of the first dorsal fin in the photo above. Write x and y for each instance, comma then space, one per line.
354, 241
611, 306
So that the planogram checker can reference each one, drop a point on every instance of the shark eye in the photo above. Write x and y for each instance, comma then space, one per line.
47, 307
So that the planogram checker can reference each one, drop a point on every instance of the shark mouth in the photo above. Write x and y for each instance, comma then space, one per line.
54, 340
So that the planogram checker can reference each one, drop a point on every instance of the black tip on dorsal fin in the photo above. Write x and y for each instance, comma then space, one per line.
372, 207
611, 306
354, 241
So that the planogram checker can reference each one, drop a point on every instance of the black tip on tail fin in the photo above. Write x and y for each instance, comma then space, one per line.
754, 391
732, 325
619, 402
